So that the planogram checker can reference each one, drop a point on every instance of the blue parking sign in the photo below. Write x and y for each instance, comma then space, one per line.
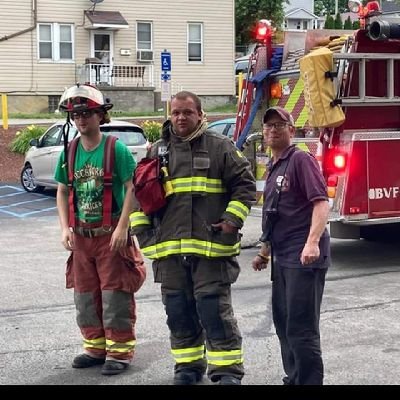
165, 61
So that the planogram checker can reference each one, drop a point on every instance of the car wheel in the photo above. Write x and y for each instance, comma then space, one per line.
28, 182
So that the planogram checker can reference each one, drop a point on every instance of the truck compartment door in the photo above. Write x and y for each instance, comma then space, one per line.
383, 171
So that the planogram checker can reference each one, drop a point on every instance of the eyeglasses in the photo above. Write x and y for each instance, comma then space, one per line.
82, 114
277, 125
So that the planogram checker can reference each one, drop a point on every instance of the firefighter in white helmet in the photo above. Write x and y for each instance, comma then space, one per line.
94, 200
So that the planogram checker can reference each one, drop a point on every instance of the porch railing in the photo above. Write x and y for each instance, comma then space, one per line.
137, 75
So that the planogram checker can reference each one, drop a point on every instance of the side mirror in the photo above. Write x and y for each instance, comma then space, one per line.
34, 142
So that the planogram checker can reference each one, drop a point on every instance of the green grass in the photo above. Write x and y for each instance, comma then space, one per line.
227, 108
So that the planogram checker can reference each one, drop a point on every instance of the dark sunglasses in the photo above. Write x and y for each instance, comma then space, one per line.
82, 114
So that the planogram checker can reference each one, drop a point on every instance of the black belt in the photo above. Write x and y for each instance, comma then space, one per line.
93, 232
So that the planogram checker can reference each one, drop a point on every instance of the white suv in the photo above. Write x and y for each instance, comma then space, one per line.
41, 159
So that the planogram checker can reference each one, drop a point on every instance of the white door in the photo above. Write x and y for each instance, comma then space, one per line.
102, 49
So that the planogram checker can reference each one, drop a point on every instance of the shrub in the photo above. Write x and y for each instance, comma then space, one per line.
348, 24
20, 144
152, 130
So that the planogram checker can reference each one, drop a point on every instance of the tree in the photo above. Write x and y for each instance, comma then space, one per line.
356, 24
338, 24
348, 24
248, 12
327, 7
329, 22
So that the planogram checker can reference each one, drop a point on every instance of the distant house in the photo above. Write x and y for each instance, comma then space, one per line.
299, 15
47, 45
353, 16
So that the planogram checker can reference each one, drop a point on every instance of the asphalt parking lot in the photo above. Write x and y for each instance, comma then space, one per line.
15, 202
38, 334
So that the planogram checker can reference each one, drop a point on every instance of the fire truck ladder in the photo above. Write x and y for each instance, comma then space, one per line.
246, 97
362, 98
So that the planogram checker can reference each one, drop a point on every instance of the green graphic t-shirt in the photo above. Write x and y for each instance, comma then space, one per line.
89, 179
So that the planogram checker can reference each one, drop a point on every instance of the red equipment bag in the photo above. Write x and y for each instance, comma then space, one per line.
147, 185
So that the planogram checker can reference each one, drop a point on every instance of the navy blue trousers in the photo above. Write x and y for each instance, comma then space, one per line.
296, 303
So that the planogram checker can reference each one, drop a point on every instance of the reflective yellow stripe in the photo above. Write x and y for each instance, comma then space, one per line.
98, 343
302, 146
197, 184
239, 209
290, 102
294, 96
190, 246
120, 347
138, 218
225, 357
301, 120
188, 355
239, 153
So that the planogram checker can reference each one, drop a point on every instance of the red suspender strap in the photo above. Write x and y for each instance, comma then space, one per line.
109, 155
71, 165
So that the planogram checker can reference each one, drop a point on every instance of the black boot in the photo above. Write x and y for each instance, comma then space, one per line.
187, 377
229, 380
86, 361
112, 367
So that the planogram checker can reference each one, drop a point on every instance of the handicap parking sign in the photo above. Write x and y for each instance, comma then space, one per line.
165, 61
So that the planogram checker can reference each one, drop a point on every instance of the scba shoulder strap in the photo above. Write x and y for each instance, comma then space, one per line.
108, 165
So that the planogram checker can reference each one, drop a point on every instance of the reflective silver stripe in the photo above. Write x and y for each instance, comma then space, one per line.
188, 354
138, 218
238, 209
119, 347
98, 343
191, 246
197, 184
225, 357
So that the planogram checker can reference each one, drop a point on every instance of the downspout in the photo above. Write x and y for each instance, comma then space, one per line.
31, 28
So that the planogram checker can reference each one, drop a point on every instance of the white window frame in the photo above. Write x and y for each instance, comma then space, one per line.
189, 24
151, 35
55, 43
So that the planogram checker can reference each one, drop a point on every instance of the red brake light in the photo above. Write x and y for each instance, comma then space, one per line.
332, 180
339, 161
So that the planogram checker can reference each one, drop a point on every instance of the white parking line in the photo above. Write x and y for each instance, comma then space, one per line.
23, 202
17, 188
5, 209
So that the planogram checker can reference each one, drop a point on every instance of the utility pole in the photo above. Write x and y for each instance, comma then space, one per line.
336, 7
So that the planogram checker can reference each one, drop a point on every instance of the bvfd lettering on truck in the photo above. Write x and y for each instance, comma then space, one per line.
384, 193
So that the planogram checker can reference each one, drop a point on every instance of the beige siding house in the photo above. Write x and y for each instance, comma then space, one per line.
47, 45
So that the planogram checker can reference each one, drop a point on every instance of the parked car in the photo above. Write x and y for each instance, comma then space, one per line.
242, 64
225, 127
41, 159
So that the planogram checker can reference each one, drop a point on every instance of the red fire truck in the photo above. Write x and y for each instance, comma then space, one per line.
360, 156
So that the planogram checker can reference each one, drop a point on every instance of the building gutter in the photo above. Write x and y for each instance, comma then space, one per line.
31, 28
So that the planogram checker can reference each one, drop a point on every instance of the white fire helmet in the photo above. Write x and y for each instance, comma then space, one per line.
83, 97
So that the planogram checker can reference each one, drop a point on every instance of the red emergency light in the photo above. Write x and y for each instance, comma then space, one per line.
357, 7
263, 30
372, 8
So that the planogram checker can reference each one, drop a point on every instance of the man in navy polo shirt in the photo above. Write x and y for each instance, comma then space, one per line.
295, 214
